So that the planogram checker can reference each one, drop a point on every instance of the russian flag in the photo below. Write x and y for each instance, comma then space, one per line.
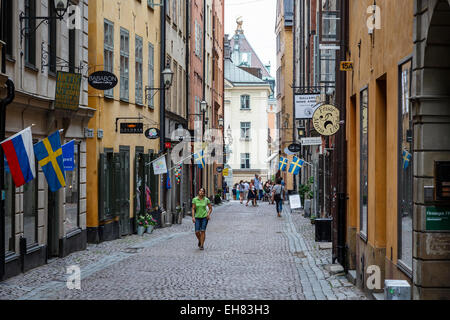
20, 155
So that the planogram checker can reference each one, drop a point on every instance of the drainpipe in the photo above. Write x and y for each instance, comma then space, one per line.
162, 95
3, 104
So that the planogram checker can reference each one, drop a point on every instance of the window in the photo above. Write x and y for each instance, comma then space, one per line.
150, 4
108, 49
174, 87
245, 102
138, 71
10, 236
72, 205
124, 64
198, 40
151, 74
329, 24
245, 130
51, 38
7, 25
405, 168
30, 37
245, 160
278, 42
72, 40
174, 12
30, 209
168, 93
364, 153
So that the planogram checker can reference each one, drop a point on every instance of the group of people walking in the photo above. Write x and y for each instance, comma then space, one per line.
253, 190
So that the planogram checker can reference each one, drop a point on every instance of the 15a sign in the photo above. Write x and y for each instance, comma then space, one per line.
134, 127
346, 65
102, 80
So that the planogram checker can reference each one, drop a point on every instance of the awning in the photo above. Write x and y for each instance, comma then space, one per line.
272, 157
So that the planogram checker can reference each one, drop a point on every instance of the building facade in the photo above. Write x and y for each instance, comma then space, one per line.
397, 128
284, 80
125, 40
40, 224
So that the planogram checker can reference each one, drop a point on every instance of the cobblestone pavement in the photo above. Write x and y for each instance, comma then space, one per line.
249, 254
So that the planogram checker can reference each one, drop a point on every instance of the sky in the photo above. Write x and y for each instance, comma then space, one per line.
259, 26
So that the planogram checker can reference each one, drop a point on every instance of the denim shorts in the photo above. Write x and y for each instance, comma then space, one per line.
200, 224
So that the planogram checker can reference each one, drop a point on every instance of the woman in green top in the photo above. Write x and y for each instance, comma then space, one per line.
201, 216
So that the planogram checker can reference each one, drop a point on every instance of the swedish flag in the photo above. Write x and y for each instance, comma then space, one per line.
295, 166
199, 159
48, 152
406, 159
283, 164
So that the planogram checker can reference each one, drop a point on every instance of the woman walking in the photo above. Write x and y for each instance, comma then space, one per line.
278, 196
201, 213
251, 194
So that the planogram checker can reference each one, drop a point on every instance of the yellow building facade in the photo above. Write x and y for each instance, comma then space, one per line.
284, 81
124, 38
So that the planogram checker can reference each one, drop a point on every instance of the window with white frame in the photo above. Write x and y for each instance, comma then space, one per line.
151, 74
245, 102
245, 130
124, 64
245, 160
108, 52
138, 69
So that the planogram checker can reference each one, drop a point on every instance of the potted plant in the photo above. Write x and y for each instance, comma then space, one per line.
217, 197
313, 219
305, 190
142, 224
151, 223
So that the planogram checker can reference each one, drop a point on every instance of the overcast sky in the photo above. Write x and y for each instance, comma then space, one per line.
259, 26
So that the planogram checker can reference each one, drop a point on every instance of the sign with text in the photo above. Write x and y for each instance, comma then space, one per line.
305, 105
295, 202
346, 65
437, 219
326, 120
67, 95
134, 127
313, 141
102, 80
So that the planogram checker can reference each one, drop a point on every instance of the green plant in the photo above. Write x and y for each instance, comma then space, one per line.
305, 190
142, 221
150, 220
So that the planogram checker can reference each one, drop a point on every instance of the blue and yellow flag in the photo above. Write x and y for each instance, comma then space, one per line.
48, 153
199, 159
283, 164
295, 166
406, 159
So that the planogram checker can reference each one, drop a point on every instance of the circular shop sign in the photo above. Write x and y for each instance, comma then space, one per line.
219, 169
152, 133
102, 80
295, 147
326, 119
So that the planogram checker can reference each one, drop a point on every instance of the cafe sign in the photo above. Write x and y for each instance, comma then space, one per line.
102, 80
67, 95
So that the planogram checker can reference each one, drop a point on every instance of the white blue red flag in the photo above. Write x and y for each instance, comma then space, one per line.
20, 155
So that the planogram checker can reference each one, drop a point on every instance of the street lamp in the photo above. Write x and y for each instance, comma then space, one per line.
167, 76
60, 6
203, 106
220, 122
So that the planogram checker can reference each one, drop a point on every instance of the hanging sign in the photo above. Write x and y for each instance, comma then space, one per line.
132, 127
305, 105
326, 120
159, 166
67, 94
311, 141
152, 133
295, 147
219, 169
102, 80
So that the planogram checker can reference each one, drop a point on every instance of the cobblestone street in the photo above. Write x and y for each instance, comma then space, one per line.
249, 254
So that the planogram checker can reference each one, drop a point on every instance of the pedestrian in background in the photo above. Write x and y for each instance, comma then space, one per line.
241, 191
234, 191
251, 194
201, 213
261, 189
278, 196
246, 187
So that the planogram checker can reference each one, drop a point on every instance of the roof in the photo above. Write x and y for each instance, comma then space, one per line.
236, 75
244, 46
